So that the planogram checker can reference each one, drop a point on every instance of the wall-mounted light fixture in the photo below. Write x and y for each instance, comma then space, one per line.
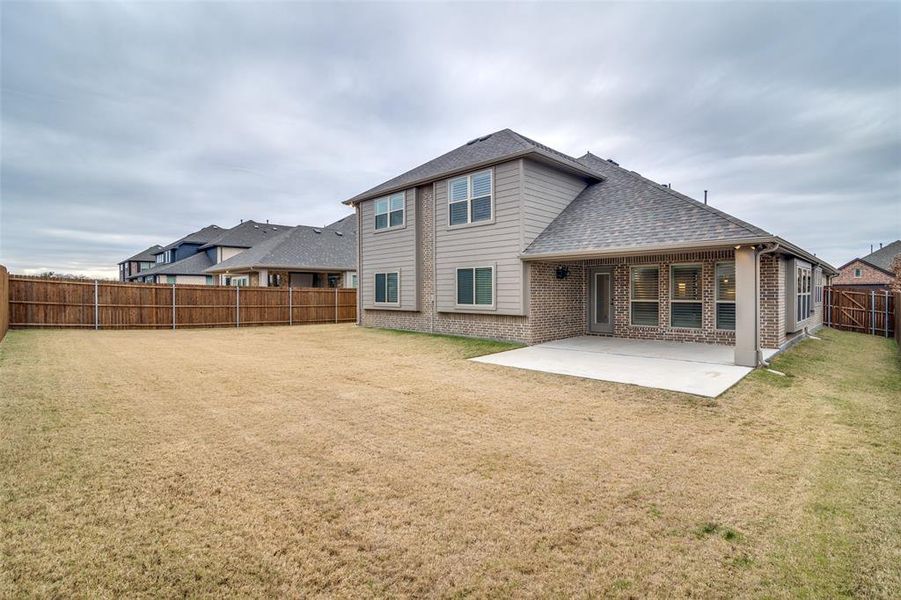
562, 272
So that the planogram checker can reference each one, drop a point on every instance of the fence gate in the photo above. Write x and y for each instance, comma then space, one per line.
860, 310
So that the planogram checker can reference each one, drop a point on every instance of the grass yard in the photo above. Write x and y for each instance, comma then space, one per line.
335, 461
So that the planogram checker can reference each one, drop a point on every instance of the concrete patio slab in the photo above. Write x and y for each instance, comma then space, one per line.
701, 369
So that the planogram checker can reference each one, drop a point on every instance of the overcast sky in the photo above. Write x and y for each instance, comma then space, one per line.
129, 124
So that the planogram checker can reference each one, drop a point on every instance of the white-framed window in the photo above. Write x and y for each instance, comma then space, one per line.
644, 296
161, 258
802, 277
725, 295
390, 211
686, 307
387, 287
470, 198
858, 273
475, 286
353, 280
241, 281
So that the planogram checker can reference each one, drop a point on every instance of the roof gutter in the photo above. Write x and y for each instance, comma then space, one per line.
575, 168
656, 248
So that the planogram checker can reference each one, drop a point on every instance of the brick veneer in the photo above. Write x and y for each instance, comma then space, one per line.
869, 275
772, 301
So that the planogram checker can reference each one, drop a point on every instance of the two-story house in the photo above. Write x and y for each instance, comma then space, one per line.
142, 261
299, 256
507, 238
175, 262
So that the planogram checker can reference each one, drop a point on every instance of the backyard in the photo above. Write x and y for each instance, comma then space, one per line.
331, 460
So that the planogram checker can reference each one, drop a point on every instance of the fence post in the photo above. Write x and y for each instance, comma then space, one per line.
290, 307
237, 306
96, 306
885, 299
872, 312
336, 304
173, 306
828, 307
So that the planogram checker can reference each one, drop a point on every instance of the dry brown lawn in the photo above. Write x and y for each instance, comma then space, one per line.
336, 461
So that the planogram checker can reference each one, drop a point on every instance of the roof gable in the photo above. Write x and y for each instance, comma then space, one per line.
201, 236
495, 147
147, 255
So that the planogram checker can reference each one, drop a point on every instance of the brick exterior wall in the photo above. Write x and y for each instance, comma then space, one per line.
557, 307
772, 301
869, 275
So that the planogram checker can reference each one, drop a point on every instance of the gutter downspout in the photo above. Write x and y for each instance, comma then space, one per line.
757, 350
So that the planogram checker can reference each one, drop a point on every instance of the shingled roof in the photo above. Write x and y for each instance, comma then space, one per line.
147, 255
882, 258
192, 265
201, 236
297, 248
627, 211
245, 235
483, 151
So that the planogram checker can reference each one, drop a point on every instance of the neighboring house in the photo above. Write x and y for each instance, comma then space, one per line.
872, 271
506, 238
178, 262
193, 254
141, 261
299, 257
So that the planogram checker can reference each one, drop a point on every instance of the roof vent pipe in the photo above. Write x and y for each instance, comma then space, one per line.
705, 196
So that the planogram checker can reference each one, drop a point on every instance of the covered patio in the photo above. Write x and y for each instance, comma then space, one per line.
702, 369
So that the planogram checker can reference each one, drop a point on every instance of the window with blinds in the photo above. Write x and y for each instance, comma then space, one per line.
475, 286
685, 296
469, 198
645, 300
386, 287
725, 296
803, 295
389, 212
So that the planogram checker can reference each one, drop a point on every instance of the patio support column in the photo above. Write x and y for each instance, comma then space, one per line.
745, 307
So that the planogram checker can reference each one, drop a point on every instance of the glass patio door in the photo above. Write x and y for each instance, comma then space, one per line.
600, 302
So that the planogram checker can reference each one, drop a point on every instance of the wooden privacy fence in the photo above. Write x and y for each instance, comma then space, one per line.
4, 301
864, 311
108, 305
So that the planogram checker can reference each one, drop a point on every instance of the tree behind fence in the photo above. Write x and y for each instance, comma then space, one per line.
55, 303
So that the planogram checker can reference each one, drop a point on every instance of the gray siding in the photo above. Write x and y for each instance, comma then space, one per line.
546, 192
490, 244
389, 250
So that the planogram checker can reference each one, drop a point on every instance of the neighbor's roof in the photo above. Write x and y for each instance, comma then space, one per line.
192, 265
626, 210
201, 236
483, 151
145, 255
882, 258
300, 247
346, 225
245, 235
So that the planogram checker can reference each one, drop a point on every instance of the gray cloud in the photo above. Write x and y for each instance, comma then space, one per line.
126, 124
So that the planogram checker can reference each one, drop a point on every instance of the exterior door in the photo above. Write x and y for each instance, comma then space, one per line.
600, 300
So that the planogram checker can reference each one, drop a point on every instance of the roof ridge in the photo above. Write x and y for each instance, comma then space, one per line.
685, 198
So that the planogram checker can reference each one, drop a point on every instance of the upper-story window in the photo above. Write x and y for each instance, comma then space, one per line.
469, 198
389, 212
858, 273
